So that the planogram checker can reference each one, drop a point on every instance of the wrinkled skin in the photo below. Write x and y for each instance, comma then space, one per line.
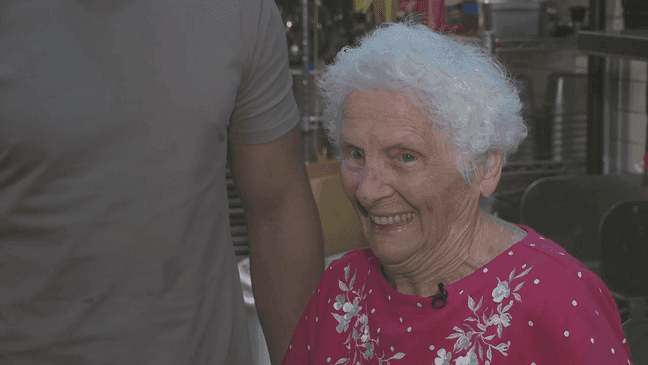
395, 162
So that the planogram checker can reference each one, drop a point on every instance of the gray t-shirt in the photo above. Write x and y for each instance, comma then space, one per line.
115, 245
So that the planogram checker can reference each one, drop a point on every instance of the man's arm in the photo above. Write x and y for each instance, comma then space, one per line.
285, 234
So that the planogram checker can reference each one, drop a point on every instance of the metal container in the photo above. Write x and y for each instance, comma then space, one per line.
514, 20
567, 109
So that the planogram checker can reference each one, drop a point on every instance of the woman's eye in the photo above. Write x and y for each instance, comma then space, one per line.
406, 157
356, 154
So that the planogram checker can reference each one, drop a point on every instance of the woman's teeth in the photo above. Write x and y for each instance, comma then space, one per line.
396, 219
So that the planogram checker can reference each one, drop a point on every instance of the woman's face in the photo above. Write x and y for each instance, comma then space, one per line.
397, 170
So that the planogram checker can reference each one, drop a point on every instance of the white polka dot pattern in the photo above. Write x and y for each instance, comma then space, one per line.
308, 347
373, 310
409, 329
461, 292
401, 319
419, 305
485, 270
378, 330
574, 303
612, 349
580, 274
592, 340
530, 323
624, 340
536, 281
510, 253
566, 333
328, 360
431, 347
532, 244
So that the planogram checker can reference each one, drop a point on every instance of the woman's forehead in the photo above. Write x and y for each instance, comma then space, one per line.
386, 103
384, 114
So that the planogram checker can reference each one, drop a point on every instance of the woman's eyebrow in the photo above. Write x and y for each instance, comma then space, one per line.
410, 144
346, 141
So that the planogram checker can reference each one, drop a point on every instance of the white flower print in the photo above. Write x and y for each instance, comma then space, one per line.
469, 359
501, 291
464, 341
475, 341
359, 342
504, 319
444, 358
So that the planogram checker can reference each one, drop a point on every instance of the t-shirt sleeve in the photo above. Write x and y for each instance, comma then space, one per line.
265, 107
582, 324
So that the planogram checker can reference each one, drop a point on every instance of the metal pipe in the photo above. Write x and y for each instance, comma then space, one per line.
595, 95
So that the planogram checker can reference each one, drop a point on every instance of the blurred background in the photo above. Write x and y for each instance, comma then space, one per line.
579, 178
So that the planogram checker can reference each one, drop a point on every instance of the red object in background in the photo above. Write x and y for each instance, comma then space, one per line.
434, 12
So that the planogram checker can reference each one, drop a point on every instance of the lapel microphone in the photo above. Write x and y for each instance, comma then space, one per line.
441, 297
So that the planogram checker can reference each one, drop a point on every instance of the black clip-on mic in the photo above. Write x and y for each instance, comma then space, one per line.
441, 297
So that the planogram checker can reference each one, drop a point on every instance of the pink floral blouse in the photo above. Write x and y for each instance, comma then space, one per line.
533, 304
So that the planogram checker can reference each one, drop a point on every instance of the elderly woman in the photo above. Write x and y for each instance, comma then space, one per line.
425, 123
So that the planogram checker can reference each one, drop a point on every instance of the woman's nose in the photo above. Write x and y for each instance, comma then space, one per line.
372, 185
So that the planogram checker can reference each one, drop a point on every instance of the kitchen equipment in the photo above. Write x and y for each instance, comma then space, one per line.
577, 13
570, 209
293, 20
645, 157
636, 331
624, 253
567, 110
624, 248
635, 14
514, 19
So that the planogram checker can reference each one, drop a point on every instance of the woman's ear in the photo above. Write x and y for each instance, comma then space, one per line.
490, 174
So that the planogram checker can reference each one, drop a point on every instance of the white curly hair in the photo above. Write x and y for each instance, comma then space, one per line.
465, 92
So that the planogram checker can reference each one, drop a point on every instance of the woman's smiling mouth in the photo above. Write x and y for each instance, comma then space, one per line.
392, 221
